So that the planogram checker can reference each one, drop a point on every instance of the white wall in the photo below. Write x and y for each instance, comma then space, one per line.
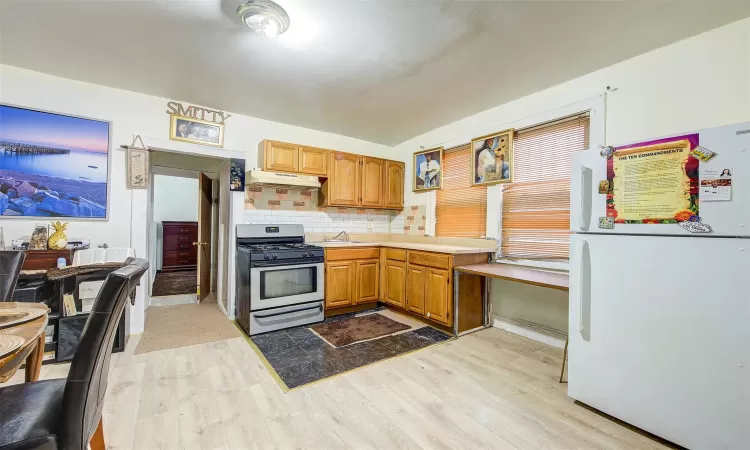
132, 113
700, 82
175, 198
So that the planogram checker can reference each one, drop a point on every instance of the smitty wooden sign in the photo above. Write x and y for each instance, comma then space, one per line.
196, 112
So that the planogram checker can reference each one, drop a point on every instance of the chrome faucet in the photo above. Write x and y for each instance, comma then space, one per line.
336, 238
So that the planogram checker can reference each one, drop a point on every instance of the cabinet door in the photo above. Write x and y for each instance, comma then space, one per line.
280, 156
395, 283
368, 281
438, 304
343, 177
415, 288
339, 284
313, 161
373, 178
394, 185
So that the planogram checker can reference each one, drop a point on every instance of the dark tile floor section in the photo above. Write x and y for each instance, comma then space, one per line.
300, 357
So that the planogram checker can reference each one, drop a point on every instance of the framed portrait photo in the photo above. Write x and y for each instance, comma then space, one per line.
492, 157
195, 131
428, 169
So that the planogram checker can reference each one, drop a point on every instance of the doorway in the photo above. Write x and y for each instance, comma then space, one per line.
183, 227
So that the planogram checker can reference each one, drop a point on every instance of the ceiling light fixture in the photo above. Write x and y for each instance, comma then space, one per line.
264, 17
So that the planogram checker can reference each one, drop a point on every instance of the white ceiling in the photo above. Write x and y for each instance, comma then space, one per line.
379, 70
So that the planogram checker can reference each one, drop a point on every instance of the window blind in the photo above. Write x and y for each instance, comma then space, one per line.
536, 206
461, 210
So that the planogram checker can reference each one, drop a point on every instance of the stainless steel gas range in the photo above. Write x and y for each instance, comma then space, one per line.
280, 281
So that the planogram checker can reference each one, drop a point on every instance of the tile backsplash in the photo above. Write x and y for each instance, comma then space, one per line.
271, 205
411, 221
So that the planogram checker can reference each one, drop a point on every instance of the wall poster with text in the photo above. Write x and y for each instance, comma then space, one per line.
654, 182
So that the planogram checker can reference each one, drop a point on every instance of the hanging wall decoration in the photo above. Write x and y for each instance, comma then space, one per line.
196, 125
138, 165
428, 169
236, 174
492, 158
52, 165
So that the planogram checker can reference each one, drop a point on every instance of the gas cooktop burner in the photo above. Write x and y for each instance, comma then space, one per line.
278, 247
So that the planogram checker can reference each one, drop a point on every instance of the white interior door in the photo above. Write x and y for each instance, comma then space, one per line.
660, 335
727, 218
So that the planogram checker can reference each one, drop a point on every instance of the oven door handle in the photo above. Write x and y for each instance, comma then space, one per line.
264, 316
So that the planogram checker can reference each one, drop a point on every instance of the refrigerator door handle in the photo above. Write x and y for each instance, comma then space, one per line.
584, 213
584, 289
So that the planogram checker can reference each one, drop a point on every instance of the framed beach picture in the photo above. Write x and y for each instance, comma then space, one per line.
492, 157
203, 132
53, 165
428, 173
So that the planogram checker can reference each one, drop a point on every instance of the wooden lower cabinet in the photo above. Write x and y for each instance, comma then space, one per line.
395, 283
438, 298
351, 281
415, 284
368, 281
339, 284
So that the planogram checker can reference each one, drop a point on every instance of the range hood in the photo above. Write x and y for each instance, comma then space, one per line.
261, 178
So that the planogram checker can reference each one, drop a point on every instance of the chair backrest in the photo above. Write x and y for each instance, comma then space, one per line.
10, 266
87, 380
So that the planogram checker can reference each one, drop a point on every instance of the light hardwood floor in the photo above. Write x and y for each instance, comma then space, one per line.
490, 389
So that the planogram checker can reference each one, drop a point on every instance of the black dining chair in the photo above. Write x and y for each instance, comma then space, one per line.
10, 266
66, 413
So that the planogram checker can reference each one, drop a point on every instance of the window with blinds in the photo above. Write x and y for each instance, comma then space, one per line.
461, 210
536, 206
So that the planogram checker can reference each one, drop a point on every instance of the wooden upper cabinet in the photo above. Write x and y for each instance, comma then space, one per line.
368, 281
343, 179
395, 283
339, 283
393, 191
437, 296
348, 180
373, 178
415, 288
280, 156
313, 161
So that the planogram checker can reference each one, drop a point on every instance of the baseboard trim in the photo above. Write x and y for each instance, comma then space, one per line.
530, 330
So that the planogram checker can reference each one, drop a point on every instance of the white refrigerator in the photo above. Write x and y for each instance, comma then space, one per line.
659, 322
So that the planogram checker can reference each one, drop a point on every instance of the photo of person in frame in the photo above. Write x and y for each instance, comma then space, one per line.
492, 158
428, 169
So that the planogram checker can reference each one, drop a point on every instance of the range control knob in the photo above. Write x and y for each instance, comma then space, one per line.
274, 256
266, 257
305, 254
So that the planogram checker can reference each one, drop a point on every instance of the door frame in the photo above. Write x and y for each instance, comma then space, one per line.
232, 214
153, 250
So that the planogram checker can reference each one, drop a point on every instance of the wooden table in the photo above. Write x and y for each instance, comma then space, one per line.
525, 275
31, 350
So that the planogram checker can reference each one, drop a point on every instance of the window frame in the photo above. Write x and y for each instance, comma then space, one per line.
596, 106
597, 130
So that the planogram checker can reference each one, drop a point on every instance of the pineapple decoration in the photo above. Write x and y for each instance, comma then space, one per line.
58, 240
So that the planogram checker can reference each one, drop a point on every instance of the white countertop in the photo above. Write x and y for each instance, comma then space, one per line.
437, 248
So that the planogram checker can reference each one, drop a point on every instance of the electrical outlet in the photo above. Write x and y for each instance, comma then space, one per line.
370, 224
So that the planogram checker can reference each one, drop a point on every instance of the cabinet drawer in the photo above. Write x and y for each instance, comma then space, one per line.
181, 229
395, 254
181, 254
341, 254
178, 242
430, 259
169, 262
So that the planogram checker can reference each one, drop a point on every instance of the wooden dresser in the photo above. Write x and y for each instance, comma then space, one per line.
178, 251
